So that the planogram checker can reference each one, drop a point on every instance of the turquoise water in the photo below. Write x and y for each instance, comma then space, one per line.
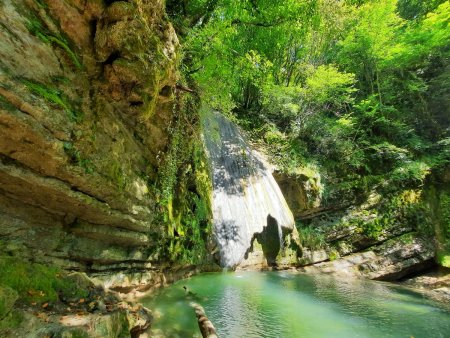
282, 304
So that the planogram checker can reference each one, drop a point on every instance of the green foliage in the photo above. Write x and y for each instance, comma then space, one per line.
310, 237
76, 158
413, 9
410, 173
333, 255
36, 282
53, 96
184, 188
326, 86
444, 206
406, 208
444, 230
12, 320
357, 88
38, 28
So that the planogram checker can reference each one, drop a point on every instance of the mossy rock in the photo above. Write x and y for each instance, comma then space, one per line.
77, 285
74, 333
36, 282
11, 323
8, 297
113, 325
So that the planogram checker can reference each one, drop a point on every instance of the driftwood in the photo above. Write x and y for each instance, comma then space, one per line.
206, 327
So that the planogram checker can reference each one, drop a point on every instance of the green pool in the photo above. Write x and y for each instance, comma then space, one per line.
282, 304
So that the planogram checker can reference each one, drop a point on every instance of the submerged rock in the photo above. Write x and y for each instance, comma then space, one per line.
247, 202
434, 284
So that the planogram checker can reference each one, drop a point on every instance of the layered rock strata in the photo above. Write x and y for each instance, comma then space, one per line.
86, 101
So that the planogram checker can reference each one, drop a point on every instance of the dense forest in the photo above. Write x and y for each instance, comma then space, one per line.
357, 91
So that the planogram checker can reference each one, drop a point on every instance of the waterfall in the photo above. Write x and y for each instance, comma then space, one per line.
246, 201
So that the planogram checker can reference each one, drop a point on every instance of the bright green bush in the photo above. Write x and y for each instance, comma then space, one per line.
310, 237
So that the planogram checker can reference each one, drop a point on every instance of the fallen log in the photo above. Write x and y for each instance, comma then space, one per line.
205, 325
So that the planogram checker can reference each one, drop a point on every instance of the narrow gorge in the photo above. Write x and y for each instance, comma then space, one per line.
282, 148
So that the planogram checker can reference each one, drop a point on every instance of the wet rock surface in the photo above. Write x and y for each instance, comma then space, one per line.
86, 102
247, 203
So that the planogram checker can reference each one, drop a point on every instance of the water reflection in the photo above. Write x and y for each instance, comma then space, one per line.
289, 305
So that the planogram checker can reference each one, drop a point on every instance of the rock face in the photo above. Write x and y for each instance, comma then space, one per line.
381, 234
115, 319
435, 284
247, 204
392, 260
302, 191
85, 106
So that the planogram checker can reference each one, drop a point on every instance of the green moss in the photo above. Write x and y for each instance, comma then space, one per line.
12, 320
185, 188
443, 230
36, 27
444, 260
210, 125
5, 104
333, 255
203, 180
8, 297
66, 48
374, 229
76, 332
115, 172
444, 206
36, 282
54, 96
151, 100
77, 159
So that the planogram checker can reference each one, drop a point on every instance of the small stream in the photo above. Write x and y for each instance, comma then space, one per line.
283, 304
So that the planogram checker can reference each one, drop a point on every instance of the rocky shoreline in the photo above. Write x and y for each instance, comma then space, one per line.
115, 311
111, 308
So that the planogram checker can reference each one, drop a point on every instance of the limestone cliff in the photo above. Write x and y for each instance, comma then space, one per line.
387, 236
86, 103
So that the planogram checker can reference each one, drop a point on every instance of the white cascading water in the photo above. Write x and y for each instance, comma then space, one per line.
246, 197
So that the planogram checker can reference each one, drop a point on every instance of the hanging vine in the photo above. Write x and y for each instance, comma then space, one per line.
184, 186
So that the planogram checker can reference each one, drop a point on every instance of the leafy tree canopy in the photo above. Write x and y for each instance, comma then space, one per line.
358, 87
